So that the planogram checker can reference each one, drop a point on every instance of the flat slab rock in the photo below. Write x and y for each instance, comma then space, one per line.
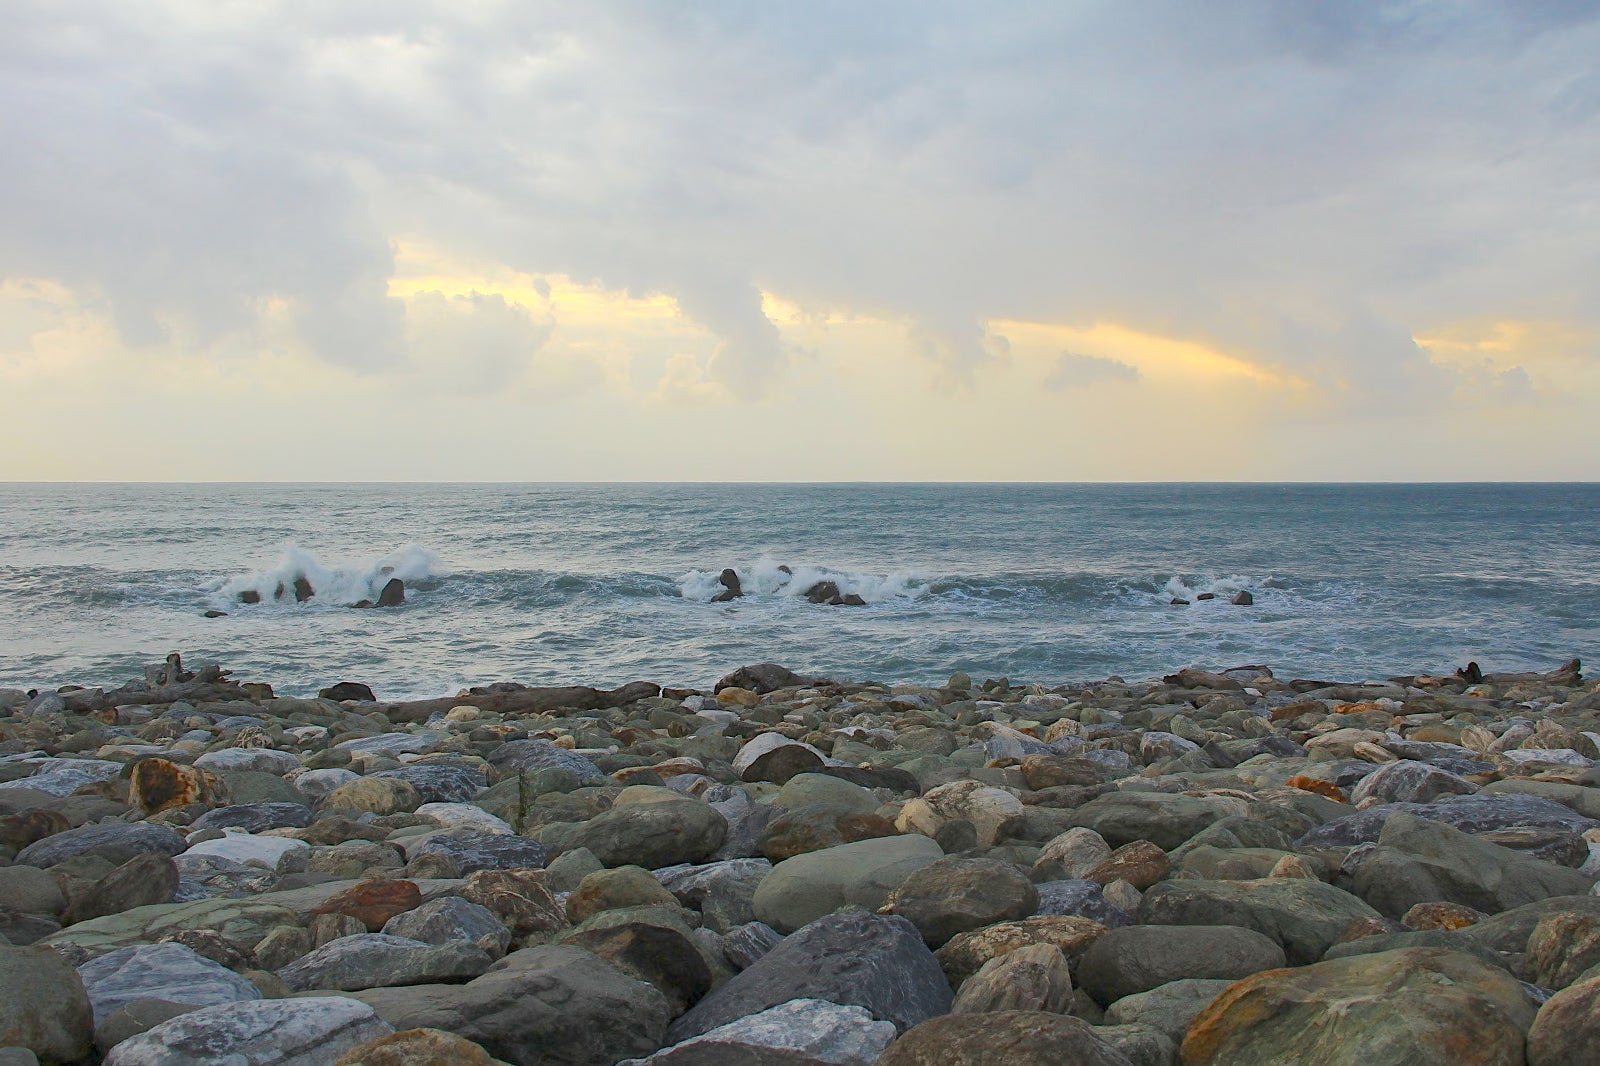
273, 1032
160, 971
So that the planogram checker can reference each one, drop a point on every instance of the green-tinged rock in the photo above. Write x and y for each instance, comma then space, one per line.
804, 888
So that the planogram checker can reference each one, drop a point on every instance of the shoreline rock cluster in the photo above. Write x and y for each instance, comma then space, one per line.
1213, 868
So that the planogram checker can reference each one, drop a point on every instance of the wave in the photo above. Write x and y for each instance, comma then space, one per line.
769, 579
339, 584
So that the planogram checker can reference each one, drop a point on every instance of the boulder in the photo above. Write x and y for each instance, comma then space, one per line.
276, 1032
348, 690
1420, 1006
762, 678
966, 954
653, 834
156, 784
116, 842
1409, 781
1567, 1028
255, 817
806, 887
550, 1004
954, 895
1167, 1008
373, 903
417, 1047
393, 593
526, 756
380, 960
878, 962
142, 880
774, 757
45, 1007
1163, 819
991, 811
1016, 1038
452, 920
652, 944
160, 971
800, 1032
471, 849
1304, 917
1035, 977
1139, 958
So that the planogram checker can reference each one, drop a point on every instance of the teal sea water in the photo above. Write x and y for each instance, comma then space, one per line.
604, 584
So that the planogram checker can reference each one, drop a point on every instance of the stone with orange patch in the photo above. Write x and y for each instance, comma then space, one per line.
372, 903
157, 785
1320, 787
1441, 915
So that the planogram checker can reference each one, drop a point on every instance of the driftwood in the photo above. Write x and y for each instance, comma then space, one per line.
210, 684
517, 699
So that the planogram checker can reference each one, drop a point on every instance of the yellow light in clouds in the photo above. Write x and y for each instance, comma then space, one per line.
1508, 341
1154, 356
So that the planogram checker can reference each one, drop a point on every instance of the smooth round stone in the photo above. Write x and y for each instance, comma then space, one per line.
260, 760
248, 848
463, 816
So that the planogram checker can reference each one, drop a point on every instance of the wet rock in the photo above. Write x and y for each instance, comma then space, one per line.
393, 593
348, 690
762, 678
266, 1033
872, 961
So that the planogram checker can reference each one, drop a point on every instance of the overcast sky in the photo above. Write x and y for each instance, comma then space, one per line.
804, 241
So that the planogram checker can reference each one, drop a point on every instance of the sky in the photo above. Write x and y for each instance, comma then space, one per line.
902, 241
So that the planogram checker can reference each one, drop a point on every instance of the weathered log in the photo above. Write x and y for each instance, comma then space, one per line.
516, 699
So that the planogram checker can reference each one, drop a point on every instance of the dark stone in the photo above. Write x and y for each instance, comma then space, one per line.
1243, 599
114, 841
143, 879
216, 614
1206, 596
1178, 601
440, 782
393, 594
524, 755
249, 596
822, 592
762, 678
662, 955
1138, 958
890, 777
878, 962
730, 581
302, 589
1477, 813
474, 849
348, 690
1082, 898
256, 817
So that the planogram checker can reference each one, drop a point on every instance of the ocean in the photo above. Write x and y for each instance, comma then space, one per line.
604, 584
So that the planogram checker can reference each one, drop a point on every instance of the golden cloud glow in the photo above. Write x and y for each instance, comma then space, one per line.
1508, 342
1156, 357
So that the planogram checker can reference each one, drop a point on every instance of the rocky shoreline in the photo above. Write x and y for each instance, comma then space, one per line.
1214, 869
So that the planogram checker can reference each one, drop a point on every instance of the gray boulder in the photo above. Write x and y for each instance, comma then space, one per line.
1409, 781
476, 849
160, 971
379, 960
878, 962
256, 817
801, 1032
955, 895
1167, 1008
1477, 813
1166, 820
1081, 897
543, 1005
723, 892
806, 887
653, 834
521, 756
452, 920
274, 1032
1419, 861
116, 842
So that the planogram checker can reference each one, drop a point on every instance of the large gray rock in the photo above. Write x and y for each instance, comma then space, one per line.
379, 960
1081, 897
874, 961
806, 887
256, 817
1164, 819
653, 834
1409, 781
441, 782
274, 1032
1305, 917
537, 1007
1478, 813
723, 892
116, 842
1141, 957
801, 1032
475, 849
1034, 977
160, 971
1509, 932
953, 895
452, 920
45, 1007
521, 756
1419, 861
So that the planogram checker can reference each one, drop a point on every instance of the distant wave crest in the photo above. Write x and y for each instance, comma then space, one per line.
338, 584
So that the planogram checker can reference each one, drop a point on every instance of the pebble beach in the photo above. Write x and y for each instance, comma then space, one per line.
1219, 867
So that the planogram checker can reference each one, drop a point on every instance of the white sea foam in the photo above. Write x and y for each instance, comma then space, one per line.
340, 584
764, 579
1180, 587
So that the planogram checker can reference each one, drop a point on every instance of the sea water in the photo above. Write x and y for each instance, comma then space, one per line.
603, 584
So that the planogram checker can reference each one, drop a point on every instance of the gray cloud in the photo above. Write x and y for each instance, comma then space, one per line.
1306, 184
1076, 371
